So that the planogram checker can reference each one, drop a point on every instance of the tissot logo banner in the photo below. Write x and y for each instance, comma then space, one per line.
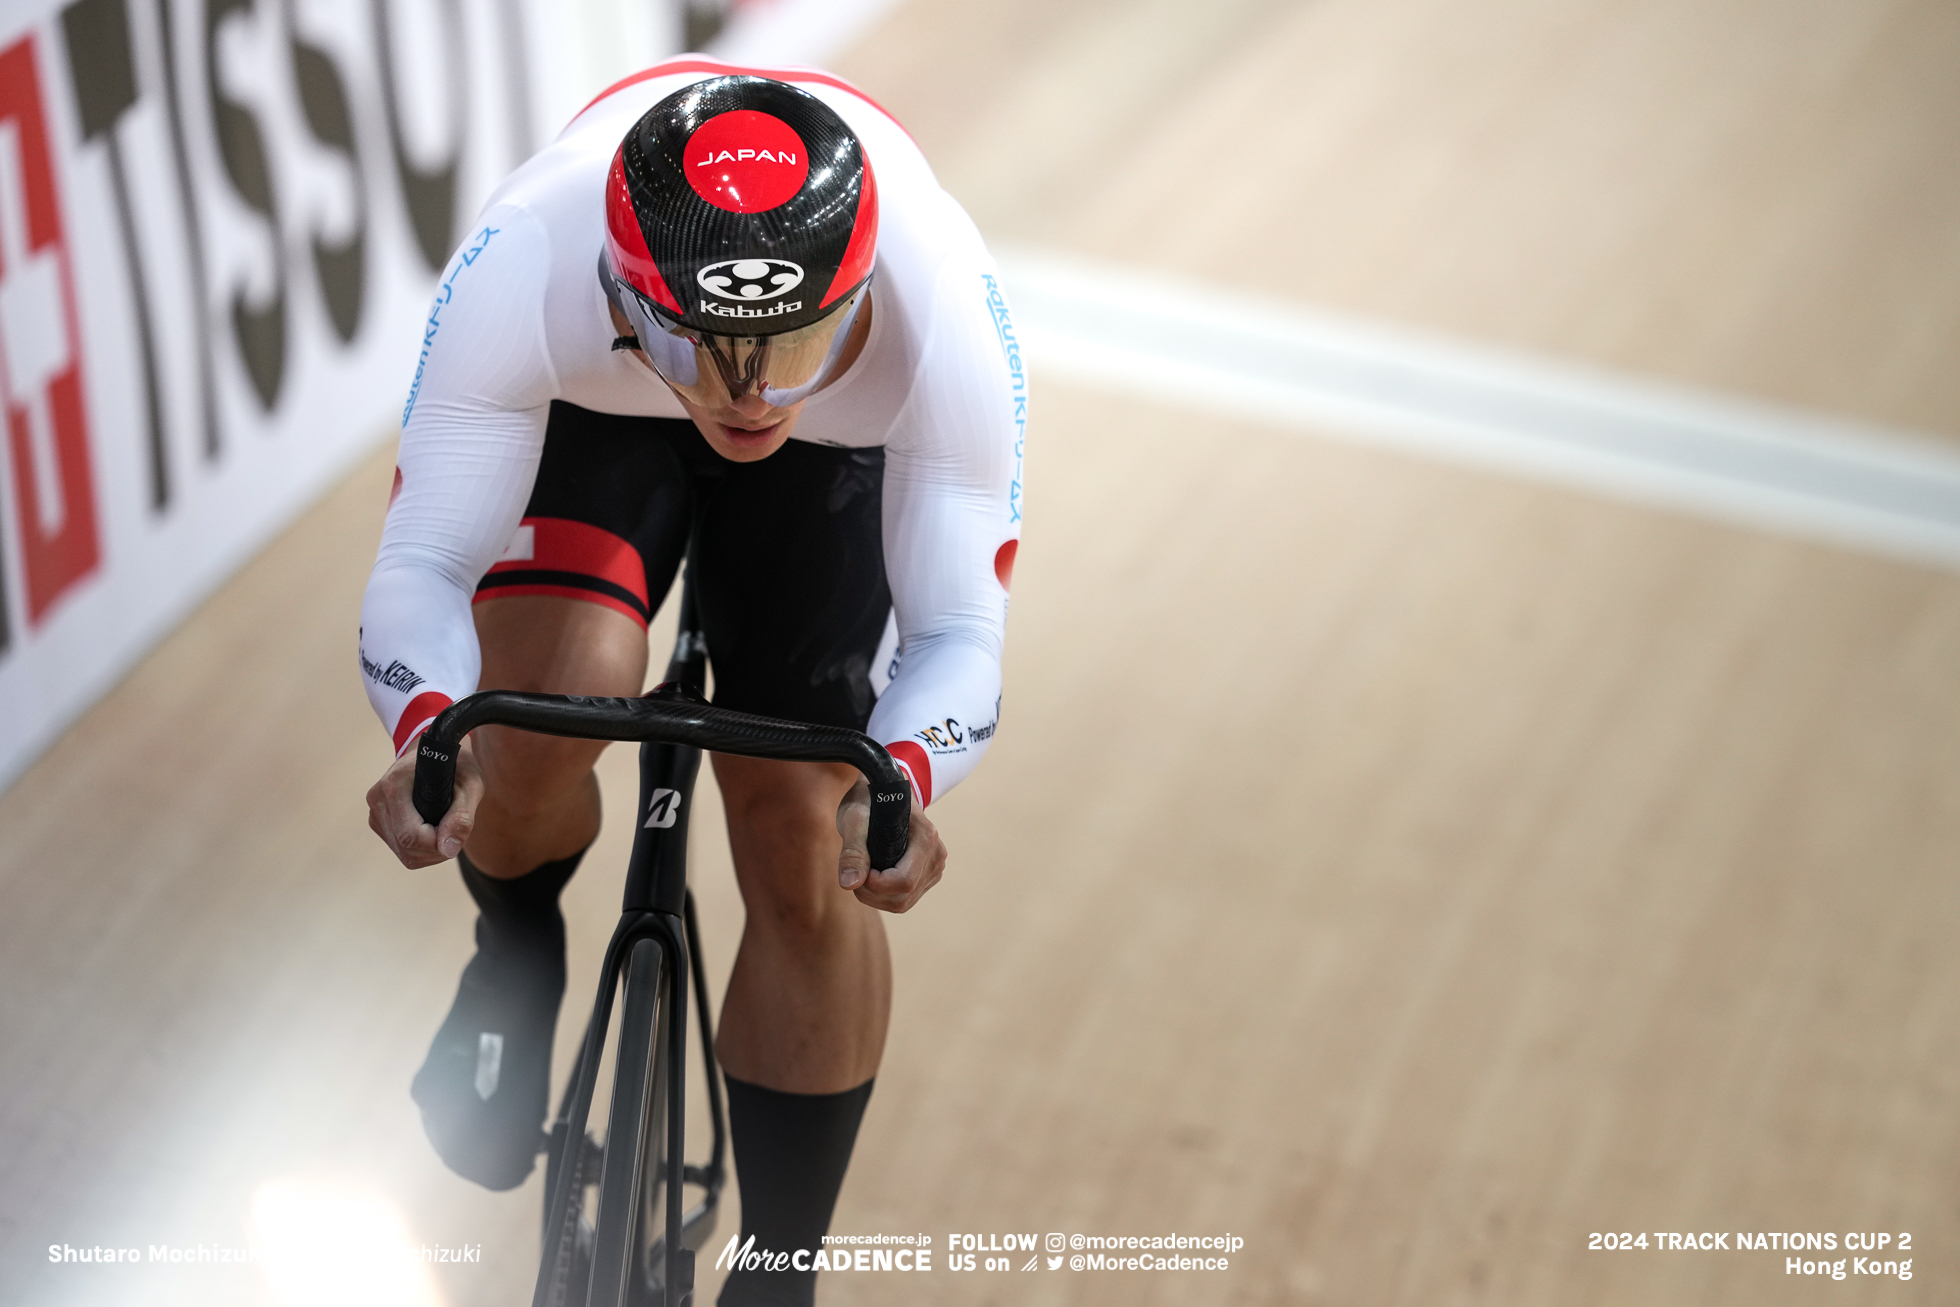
745, 161
750, 279
221, 226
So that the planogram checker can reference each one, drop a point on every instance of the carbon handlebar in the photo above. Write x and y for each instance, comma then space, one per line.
675, 721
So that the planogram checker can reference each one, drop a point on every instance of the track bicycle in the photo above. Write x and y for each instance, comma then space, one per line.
617, 1229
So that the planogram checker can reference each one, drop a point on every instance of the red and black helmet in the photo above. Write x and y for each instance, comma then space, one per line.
741, 206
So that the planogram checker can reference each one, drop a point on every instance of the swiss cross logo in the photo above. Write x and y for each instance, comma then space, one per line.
40, 353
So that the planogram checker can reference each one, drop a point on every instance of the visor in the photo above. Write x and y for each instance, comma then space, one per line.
711, 370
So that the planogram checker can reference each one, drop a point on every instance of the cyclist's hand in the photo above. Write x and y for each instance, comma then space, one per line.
392, 815
898, 888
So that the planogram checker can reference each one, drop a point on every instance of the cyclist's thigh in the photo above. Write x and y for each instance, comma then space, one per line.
790, 576
565, 610
551, 645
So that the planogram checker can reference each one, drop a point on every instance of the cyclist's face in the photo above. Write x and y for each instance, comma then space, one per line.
746, 429
741, 430
749, 428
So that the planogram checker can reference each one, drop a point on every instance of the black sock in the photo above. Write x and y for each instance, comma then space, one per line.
791, 1151
521, 911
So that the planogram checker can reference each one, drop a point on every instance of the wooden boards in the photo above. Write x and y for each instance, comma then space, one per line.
1405, 870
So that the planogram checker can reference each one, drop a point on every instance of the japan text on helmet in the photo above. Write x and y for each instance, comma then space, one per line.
739, 207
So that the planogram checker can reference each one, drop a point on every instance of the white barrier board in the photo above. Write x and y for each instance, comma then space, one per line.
220, 226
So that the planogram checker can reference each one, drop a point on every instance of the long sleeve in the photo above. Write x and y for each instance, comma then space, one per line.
472, 435
952, 525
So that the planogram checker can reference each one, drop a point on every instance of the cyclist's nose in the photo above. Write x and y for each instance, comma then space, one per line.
750, 408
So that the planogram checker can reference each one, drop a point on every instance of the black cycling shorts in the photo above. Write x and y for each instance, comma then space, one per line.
788, 553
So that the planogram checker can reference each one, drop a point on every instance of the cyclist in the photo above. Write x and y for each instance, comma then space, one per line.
702, 324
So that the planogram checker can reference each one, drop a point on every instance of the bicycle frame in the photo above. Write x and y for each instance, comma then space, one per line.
656, 932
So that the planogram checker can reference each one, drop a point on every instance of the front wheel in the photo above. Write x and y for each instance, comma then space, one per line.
632, 1179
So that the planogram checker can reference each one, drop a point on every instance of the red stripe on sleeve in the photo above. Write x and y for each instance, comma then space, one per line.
561, 545
919, 767
421, 710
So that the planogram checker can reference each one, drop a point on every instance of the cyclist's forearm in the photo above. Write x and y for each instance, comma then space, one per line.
950, 599
940, 712
418, 647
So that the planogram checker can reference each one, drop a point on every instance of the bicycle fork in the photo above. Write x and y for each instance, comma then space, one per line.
656, 952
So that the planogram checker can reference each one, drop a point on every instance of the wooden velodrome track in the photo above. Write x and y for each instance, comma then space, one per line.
1409, 871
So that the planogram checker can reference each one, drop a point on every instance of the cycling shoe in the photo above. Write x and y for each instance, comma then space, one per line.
485, 1086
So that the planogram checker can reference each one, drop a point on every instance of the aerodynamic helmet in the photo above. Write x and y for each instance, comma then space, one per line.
741, 226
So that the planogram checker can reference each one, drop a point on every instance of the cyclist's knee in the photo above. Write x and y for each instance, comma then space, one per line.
782, 828
526, 775
790, 902
786, 862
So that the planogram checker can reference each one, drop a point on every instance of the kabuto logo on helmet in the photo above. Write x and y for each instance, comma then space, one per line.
750, 279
